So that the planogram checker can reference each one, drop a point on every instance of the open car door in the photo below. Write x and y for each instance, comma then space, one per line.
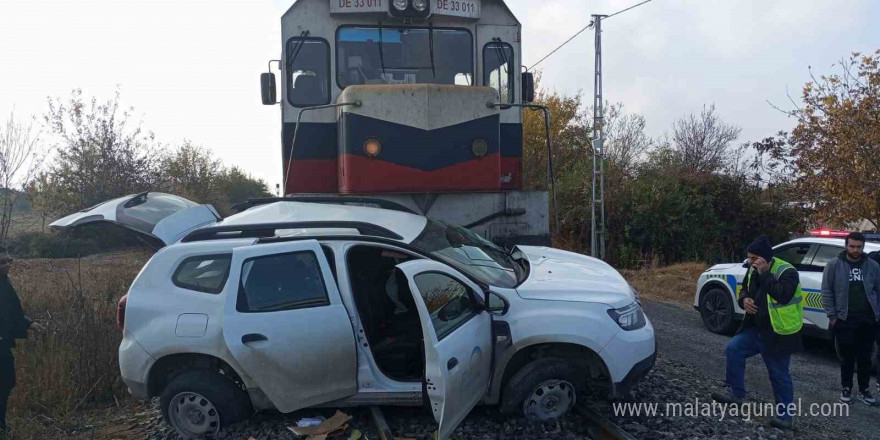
458, 340
285, 324
165, 218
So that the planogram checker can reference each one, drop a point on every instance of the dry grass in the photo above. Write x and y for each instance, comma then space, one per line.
673, 284
73, 366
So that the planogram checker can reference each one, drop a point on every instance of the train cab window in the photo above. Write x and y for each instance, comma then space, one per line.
498, 71
308, 67
403, 55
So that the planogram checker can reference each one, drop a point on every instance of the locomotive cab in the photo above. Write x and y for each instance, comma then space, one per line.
412, 101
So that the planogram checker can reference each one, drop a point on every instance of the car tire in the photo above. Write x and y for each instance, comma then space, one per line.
716, 309
198, 403
544, 389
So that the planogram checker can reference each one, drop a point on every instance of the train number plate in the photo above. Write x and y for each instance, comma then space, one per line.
458, 8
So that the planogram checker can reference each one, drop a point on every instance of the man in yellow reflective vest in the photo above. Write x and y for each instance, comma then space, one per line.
772, 298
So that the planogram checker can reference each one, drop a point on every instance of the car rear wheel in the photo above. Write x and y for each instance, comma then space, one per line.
716, 309
544, 389
198, 403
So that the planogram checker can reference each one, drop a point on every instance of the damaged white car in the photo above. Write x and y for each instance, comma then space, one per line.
297, 303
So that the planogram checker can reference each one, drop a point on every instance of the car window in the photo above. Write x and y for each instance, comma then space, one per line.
204, 273
823, 256
448, 301
793, 254
144, 211
281, 282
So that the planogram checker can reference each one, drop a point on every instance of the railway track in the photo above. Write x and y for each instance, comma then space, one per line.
602, 428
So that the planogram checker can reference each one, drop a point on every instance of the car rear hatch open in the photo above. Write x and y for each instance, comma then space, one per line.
165, 218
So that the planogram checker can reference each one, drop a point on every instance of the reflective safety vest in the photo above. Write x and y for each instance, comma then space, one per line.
786, 319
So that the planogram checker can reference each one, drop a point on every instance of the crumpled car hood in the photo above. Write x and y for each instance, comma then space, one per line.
558, 275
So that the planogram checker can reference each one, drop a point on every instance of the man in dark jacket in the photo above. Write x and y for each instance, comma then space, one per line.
771, 328
850, 296
13, 325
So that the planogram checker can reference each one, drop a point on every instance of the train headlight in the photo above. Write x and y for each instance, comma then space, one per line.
400, 5
420, 5
480, 147
372, 147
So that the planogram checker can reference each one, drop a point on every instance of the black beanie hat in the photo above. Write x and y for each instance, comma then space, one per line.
761, 247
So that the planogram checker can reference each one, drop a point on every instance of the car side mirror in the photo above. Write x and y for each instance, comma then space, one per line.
528, 87
746, 264
267, 88
498, 305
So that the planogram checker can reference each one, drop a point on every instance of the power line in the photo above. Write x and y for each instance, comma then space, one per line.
560, 46
627, 9
582, 30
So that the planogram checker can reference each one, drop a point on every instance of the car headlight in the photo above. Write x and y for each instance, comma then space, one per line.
400, 5
630, 317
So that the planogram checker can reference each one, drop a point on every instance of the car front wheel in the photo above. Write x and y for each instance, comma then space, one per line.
198, 403
544, 389
716, 309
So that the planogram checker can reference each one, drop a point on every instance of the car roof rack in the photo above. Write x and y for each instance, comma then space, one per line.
358, 201
267, 230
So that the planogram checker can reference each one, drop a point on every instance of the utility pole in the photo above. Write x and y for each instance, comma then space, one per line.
597, 231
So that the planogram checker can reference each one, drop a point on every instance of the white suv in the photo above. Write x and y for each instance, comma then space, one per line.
293, 304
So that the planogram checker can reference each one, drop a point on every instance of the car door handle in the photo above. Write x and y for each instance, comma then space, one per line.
452, 364
253, 337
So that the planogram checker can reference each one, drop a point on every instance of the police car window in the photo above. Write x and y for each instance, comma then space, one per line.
498, 70
793, 254
308, 65
204, 273
448, 301
281, 282
824, 255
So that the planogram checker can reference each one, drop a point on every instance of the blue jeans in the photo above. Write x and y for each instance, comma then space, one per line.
746, 344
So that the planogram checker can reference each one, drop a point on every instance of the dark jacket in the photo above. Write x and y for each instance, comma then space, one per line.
835, 286
782, 291
13, 323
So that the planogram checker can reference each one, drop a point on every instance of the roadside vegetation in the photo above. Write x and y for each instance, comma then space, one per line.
74, 365
700, 192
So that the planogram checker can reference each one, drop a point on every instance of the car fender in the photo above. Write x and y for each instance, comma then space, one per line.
728, 282
551, 322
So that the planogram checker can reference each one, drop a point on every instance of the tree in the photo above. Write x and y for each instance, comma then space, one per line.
702, 142
45, 201
192, 172
238, 186
568, 127
98, 156
21, 155
626, 140
832, 156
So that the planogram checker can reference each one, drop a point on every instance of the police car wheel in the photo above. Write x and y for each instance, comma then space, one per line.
716, 309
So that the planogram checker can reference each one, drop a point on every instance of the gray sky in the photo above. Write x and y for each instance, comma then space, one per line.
190, 67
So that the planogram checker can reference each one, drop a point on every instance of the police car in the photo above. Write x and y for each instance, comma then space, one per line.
719, 286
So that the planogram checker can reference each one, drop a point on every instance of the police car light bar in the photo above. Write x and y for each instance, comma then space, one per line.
828, 233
